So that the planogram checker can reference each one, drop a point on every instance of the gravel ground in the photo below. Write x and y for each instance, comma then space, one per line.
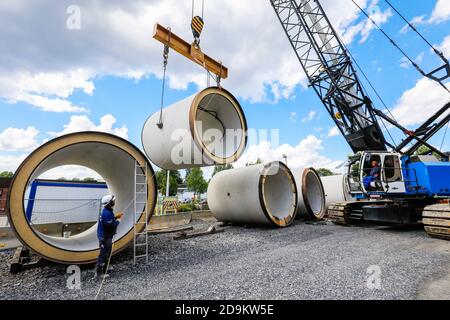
304, 261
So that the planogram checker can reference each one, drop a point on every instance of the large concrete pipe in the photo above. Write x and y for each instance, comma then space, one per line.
111, 157
260, 194
335, 189
205, 129
311, 200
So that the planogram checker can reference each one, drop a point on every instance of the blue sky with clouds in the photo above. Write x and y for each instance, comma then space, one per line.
107, 75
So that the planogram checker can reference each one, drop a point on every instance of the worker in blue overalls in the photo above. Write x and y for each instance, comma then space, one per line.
374, 176
106, 229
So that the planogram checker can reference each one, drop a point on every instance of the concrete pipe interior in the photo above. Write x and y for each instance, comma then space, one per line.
278, 196
114, 159
313, 194
219, 125
311, 202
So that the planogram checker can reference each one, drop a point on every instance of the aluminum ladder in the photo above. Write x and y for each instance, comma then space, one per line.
140, 202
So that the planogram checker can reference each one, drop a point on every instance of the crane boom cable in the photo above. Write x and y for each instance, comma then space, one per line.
390, 39
443, 139
411, 60
438, 52
193, 7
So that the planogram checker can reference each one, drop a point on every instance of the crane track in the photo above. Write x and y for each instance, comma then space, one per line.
436, 220
339, 212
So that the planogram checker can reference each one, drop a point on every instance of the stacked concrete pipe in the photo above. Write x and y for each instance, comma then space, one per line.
259, 195
205, 129
111, 157
311, 200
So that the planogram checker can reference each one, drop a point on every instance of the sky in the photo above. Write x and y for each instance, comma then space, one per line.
68, 66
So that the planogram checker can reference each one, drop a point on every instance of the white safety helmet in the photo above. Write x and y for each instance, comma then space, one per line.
107, 199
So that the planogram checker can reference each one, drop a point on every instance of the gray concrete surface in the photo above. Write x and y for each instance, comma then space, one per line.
305, 261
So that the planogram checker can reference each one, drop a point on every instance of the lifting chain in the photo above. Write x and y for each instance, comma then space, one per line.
219, 78
160, 124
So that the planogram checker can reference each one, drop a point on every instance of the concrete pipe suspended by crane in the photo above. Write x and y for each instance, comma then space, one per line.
112, 158
311, 200
335, 188
205, 129
261, 195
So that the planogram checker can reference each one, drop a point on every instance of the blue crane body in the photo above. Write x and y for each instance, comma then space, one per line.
408, 187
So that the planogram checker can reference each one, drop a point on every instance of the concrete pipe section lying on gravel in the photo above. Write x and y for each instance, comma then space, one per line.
335, 189
205, 129
259, 194
311, 200
112, 158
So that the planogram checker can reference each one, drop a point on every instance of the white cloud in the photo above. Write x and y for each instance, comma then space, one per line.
405, 63
293, 117
310, 117
11, 163
83, 123
420, 102
441, 13
14, 139
445, 46
306, 153
415, 21
333, 132
47, 91
365, 27
44, 62
70, 172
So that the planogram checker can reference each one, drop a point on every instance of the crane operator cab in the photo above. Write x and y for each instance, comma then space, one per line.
376, 172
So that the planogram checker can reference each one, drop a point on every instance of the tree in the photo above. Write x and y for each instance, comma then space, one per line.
195, 181
424, 150
88, 179
220, 168
323, 172
61, 179
258, 161
174, 181
6, 174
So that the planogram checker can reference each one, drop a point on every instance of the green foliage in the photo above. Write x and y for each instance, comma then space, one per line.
195, 181
220, 168
6, 174
258, 161
186, 207
88, 179
174, 181
325, 172
424, 150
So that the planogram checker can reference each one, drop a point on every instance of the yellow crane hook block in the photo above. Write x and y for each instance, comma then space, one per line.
197, 27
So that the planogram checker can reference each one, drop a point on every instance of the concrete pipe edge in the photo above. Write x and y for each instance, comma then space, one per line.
38, 243
311, 203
